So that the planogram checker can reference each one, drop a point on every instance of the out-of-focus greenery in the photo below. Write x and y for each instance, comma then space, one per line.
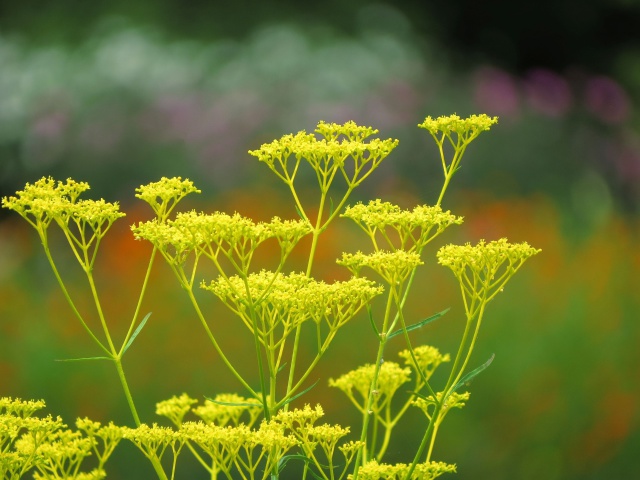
126, 105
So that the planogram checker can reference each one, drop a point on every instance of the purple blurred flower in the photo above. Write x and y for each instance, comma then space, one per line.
626, 157
496, 92
607, 100
50, 125
547, 92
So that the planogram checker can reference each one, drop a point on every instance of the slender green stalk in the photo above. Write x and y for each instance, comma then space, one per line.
361, 458
312, 254
213, 340
143, 290
68, 297
94, 293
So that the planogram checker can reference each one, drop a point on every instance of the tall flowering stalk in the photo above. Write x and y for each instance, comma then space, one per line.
84, 224
257, 435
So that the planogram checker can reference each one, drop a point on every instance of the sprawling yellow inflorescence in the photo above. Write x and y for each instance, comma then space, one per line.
289, 300
228, 408
270, 435
471, 126
299, 417
221, 443
409, 230
233, 236
326, 155
154, 440
485, 268
391, 377
394, 267
454, 400
428, 358
373, 470
48, 199
20, 408
63, 450
175, 408
350, 130
165, 190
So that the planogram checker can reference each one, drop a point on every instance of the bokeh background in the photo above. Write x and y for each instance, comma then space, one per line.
121, 93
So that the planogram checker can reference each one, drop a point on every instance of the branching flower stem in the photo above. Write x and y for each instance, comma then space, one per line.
318, 229
361, 458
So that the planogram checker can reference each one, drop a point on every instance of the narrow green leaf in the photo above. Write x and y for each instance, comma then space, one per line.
82, 359
330, 206
135, 334
299, 213
373, 324
420, 324
300, 394
284, 460
234, 404
281, 367
471, 375
314, 474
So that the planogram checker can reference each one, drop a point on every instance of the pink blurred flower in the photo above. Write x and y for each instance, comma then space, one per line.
607, 100
496, 92
547, 92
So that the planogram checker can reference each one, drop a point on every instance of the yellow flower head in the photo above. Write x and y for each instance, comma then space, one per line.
465, 127
228, 408
485, 268
428, 358
394, 267
164, 194
411, 229
175, 408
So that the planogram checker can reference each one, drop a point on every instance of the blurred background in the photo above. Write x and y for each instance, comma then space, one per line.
121, 93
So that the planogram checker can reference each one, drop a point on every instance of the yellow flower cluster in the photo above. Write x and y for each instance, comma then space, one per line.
234, 236
454, 400
45, 446
327, 155
175, 408
424, 471
164, 194
408, 230
390, 378
48, 199
239, 445
394, 267
228, 408
299, 418
153, 441
289, 300
471, 126
318, 442
485, 268
350, 130
427, 357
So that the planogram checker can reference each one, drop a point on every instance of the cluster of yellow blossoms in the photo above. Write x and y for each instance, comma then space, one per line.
256, 437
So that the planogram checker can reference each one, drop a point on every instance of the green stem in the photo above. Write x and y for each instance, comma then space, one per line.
105, 328
361, 458
155, 462
67, 296
213, 340
140, 298
256, 341
127, 392
312, 253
